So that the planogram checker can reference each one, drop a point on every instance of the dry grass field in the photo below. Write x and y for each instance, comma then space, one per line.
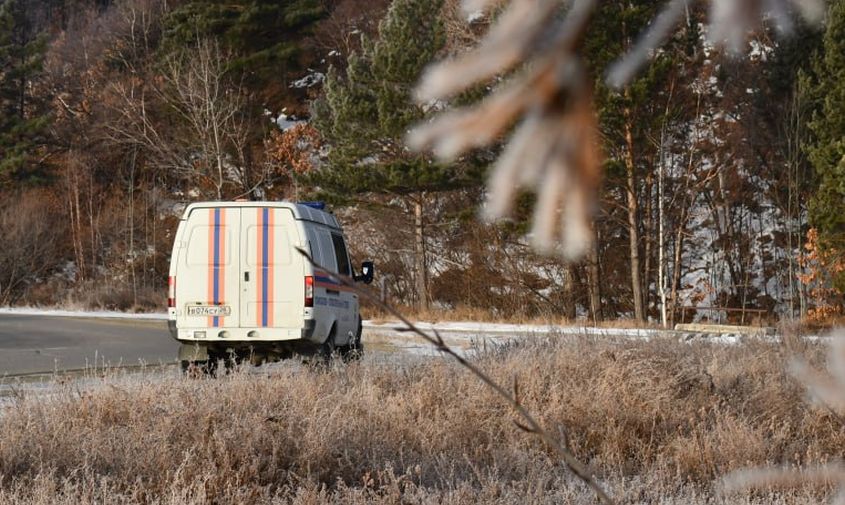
659, 422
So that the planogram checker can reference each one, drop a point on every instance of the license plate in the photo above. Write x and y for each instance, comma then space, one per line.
209, 310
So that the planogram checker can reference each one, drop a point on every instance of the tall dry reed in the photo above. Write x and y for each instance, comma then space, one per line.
661, 420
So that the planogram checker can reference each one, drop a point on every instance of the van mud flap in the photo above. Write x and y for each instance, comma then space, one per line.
193, 352
308, 328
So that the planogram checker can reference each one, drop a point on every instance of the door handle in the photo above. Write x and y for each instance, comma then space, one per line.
246, 276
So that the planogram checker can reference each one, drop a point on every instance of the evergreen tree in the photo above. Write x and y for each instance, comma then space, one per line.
265, 35
22, 122
365, 115
827, 151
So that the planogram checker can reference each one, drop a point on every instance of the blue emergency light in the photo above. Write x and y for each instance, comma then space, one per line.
314, 205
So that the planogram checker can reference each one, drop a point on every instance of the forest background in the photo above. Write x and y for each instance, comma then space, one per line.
723, 176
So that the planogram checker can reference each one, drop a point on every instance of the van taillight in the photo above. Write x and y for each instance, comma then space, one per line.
171, 292
309, 291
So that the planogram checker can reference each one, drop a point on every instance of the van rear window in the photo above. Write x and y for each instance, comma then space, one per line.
340, 254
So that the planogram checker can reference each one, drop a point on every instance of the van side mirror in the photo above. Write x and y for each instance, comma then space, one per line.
367, 271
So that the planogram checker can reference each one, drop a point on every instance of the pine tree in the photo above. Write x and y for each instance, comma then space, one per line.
22, 123
264, 35
827, 151
366, 113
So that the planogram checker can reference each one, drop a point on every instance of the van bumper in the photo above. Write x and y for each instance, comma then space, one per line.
219, 335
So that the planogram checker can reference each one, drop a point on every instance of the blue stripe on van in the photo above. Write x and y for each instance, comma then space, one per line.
265, 231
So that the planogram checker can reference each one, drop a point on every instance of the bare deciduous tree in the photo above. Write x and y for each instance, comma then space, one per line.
208, 143
31, 242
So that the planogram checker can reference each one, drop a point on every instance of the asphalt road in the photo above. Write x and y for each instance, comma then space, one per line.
33, 344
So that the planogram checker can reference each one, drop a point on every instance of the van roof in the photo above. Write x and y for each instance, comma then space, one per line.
300, 211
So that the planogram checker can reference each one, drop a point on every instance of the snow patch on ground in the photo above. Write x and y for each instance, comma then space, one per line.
518, 329
285, 122
461, 333
312, 79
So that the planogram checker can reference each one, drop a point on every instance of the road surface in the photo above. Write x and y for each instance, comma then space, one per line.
40, 342
33, 343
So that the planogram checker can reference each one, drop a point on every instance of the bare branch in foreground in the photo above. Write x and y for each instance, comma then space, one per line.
531, 425
554, 147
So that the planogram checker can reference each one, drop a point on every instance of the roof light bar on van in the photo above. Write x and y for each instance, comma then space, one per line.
314, 205
309, 291
171, 292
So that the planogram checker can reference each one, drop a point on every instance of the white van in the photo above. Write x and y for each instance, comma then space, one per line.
238, 287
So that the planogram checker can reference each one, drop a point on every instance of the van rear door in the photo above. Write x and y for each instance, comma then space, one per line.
208, 270
273, 278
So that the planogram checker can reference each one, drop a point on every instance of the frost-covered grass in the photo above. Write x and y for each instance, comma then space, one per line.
659, 420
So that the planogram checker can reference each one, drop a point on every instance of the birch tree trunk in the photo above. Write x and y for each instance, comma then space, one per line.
661, 211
